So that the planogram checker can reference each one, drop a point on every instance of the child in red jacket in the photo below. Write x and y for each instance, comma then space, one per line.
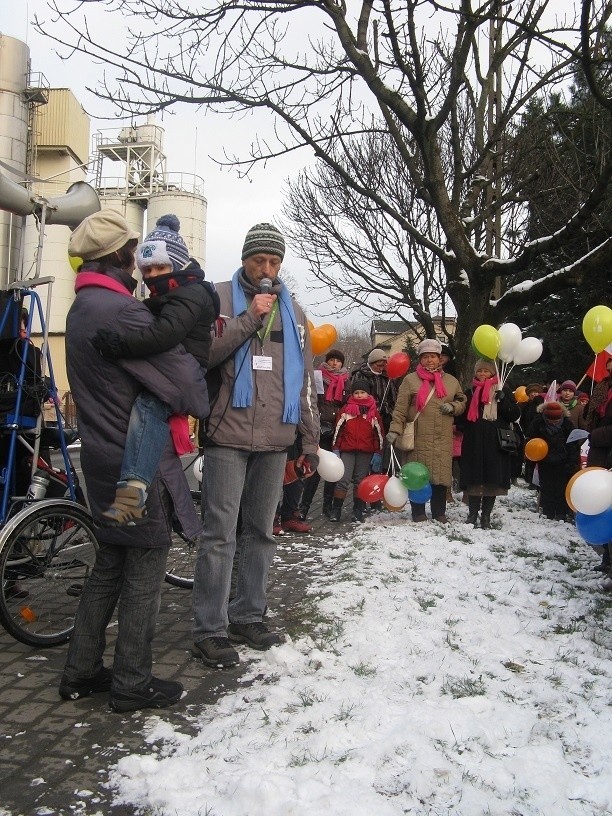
359, 434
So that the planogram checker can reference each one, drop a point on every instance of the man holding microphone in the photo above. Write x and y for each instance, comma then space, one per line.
261, 348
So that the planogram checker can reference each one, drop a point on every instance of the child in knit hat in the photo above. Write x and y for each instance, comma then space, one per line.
359, 433
553, 425
185, 307
568, 397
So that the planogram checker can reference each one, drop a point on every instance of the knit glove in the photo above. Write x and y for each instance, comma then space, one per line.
447, 409
391, 437
109, 344
499, 395
376, 463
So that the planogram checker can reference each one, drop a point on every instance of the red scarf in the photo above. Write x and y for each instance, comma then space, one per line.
353, 406
481, 391
335, 383
427, 377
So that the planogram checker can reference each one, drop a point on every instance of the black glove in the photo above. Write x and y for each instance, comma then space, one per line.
499, 395
308, 466
109, 344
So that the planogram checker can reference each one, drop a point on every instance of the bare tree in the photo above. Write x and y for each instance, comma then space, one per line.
443, 82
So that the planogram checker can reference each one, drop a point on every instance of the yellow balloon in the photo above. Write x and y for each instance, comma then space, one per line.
486, 341
597, 327
75, 262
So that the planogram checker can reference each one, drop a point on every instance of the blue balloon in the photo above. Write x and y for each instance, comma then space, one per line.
420, 496
596, 530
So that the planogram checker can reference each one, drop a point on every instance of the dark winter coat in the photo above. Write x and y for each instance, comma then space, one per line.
104, 393
184, 315
382, 389
600, 442
558, 466
483, 463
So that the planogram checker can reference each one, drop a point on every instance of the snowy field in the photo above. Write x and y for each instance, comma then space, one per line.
442, 670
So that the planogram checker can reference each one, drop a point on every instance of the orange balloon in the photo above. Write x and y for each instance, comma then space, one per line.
310, 324
568, 488
520, 395
323, 338
318, 341
536, 449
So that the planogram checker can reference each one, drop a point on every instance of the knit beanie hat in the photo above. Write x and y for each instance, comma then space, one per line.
164, 246
334, 354
429, 347
100, 234
376, 355
488, 364
264, 238
360, 385
553, 410
568, 385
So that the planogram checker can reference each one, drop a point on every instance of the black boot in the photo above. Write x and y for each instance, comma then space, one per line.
473, 509
605, 560
336, 510
328, 498
485, 516
359, 507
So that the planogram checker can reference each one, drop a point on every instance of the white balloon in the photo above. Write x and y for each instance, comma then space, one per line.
330, 467
197, 468
528, 351
591, 493
395, 493
510, 336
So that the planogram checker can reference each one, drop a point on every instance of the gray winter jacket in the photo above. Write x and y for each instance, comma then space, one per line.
104, 392
260, 426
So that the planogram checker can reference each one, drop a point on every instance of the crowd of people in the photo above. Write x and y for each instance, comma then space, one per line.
137, 371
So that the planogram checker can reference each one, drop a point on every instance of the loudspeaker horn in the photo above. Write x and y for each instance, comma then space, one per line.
79, 201
14, 198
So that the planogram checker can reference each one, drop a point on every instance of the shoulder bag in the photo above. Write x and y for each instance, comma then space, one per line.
405, 442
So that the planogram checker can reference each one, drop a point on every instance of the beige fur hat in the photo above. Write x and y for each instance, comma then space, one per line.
100, 234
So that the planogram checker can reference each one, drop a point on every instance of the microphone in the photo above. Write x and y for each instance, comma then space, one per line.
265, 286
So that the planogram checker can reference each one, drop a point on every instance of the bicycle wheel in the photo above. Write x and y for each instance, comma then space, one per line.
180, 568
47, 552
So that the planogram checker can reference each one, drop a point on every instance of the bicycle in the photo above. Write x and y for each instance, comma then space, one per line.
47, 545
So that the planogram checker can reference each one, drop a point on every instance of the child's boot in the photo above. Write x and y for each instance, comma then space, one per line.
128, 508
359, 507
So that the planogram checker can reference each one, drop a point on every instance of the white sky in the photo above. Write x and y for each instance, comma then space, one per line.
234, 205
366, 718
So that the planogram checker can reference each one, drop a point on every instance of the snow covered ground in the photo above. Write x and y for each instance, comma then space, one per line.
446, 670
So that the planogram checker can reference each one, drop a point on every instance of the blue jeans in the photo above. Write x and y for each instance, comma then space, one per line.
146, 438
232, 480
131, 577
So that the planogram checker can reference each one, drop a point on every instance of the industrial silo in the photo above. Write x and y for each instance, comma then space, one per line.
14, 110
184, 199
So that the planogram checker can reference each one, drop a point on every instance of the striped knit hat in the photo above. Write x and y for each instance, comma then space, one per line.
264, 238
164, 246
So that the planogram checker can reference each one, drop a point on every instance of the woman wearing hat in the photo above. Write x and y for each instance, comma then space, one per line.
553, 425
485, 469
384, 390
437, 397
130, 562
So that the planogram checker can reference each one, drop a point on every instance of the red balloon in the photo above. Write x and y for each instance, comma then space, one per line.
371, 488
397, 365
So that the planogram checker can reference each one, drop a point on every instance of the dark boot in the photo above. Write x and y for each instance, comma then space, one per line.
328, 498
377, 507
359, 507
336, 510
473, 509
605, 560
485, 516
